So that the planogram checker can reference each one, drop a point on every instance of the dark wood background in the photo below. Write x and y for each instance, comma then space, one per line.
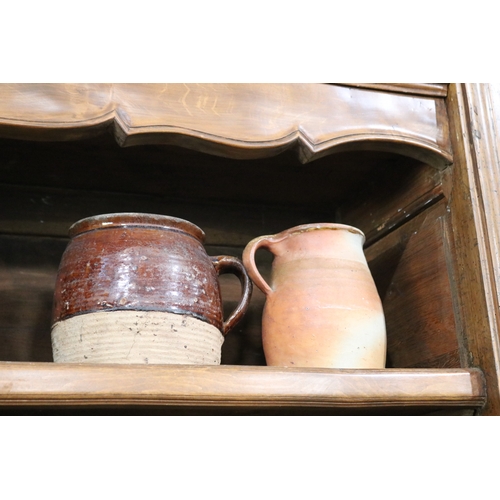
399, 202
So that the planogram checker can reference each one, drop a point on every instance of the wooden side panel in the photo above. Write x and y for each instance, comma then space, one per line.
411, 272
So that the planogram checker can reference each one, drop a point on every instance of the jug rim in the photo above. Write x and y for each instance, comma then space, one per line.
135, 219
318, 226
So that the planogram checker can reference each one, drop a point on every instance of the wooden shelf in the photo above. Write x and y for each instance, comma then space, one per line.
239, 387
405, 163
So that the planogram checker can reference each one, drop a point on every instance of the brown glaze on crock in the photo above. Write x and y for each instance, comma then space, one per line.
144, 262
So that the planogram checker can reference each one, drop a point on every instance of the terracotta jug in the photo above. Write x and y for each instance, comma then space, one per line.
140, 288
322, 307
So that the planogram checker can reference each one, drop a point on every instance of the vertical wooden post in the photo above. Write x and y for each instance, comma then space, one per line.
474, 111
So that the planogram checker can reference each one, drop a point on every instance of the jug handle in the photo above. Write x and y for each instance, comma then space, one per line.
249, 261
225, 264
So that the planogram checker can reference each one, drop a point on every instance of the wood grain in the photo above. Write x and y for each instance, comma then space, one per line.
28, 269
47, 211
474, 120
436, 266
428, 89
235, 120
411, 272
398, 192
60, 384
179, 174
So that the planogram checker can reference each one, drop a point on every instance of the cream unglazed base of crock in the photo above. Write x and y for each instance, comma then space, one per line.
145, 337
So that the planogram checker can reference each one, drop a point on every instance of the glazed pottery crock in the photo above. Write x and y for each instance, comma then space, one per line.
140, 288
322, 307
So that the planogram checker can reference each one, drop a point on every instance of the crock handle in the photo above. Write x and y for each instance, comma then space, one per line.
249, 261
225, 264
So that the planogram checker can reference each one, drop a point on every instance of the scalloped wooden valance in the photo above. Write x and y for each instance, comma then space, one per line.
237, 120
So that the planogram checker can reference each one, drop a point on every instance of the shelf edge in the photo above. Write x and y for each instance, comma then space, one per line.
184, 385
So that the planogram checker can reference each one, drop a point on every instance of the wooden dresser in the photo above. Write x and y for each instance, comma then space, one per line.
415, 166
